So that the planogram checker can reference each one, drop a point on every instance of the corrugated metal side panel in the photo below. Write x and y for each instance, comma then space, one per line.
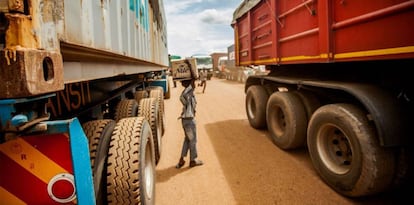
124, 27
309, 31
43, 38
373, 30
298, 29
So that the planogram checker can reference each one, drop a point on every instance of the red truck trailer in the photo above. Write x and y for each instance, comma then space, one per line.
81, 100
339, 83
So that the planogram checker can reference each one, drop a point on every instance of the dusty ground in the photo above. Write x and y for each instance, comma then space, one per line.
242, 166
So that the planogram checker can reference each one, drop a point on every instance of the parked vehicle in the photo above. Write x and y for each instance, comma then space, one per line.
339, 83
221, 67
204, 62
81, 101
216, 56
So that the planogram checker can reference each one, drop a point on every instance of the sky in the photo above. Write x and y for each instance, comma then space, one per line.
199, 26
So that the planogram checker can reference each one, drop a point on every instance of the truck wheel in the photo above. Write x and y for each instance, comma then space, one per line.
157, 93
148, 108
131, 164
99, 134
256, 99
140, 94
345, 151
126, 108
309, 101
286, 120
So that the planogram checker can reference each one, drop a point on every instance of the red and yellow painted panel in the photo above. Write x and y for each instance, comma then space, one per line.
37, 170
310, 31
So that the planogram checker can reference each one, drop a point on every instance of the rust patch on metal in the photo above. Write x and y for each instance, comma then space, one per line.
20, 32
29, 73
16, 5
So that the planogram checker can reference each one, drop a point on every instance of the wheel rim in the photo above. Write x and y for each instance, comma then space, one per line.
251, 105
148, 174
159, 137
334, 148
163, 122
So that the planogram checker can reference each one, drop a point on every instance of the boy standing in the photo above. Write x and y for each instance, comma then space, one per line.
189, 102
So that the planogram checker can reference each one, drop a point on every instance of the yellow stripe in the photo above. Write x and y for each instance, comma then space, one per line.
270, 60
388, 51
378, 52
294, 58
31, 159
8, 198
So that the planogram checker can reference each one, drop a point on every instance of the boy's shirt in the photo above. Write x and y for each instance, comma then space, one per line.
189, 102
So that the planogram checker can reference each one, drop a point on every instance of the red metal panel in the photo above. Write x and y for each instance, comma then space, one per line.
262, 32
304, 31
243, 44
20, 183
60, 144
298, 30
378, 29
32, 163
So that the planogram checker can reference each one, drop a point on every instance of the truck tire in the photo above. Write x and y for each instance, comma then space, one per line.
309, 101
126, 108
131, 163
167, 94
140, 94
286, 120
99, 134
148, 108
157, 93
256, 99
346, 153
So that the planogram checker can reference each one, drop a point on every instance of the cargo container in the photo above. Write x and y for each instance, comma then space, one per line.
81, 100
339, 84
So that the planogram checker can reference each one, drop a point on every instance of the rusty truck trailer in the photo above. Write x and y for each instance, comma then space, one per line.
81, 97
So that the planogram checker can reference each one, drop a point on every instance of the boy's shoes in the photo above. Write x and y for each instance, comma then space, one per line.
196, 162
180, 164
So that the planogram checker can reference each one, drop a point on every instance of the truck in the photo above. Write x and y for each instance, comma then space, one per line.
236, 72
339, 85
222, 65
204, 62
81, 100
232, 71
215, 59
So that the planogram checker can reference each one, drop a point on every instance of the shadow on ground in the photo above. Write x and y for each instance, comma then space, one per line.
258, 171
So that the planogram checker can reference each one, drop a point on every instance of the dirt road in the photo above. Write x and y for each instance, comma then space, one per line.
242, 165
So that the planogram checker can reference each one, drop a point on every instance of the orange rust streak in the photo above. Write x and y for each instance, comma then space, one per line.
20, 32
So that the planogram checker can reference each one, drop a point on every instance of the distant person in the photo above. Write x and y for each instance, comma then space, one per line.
187, 117
203, 79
